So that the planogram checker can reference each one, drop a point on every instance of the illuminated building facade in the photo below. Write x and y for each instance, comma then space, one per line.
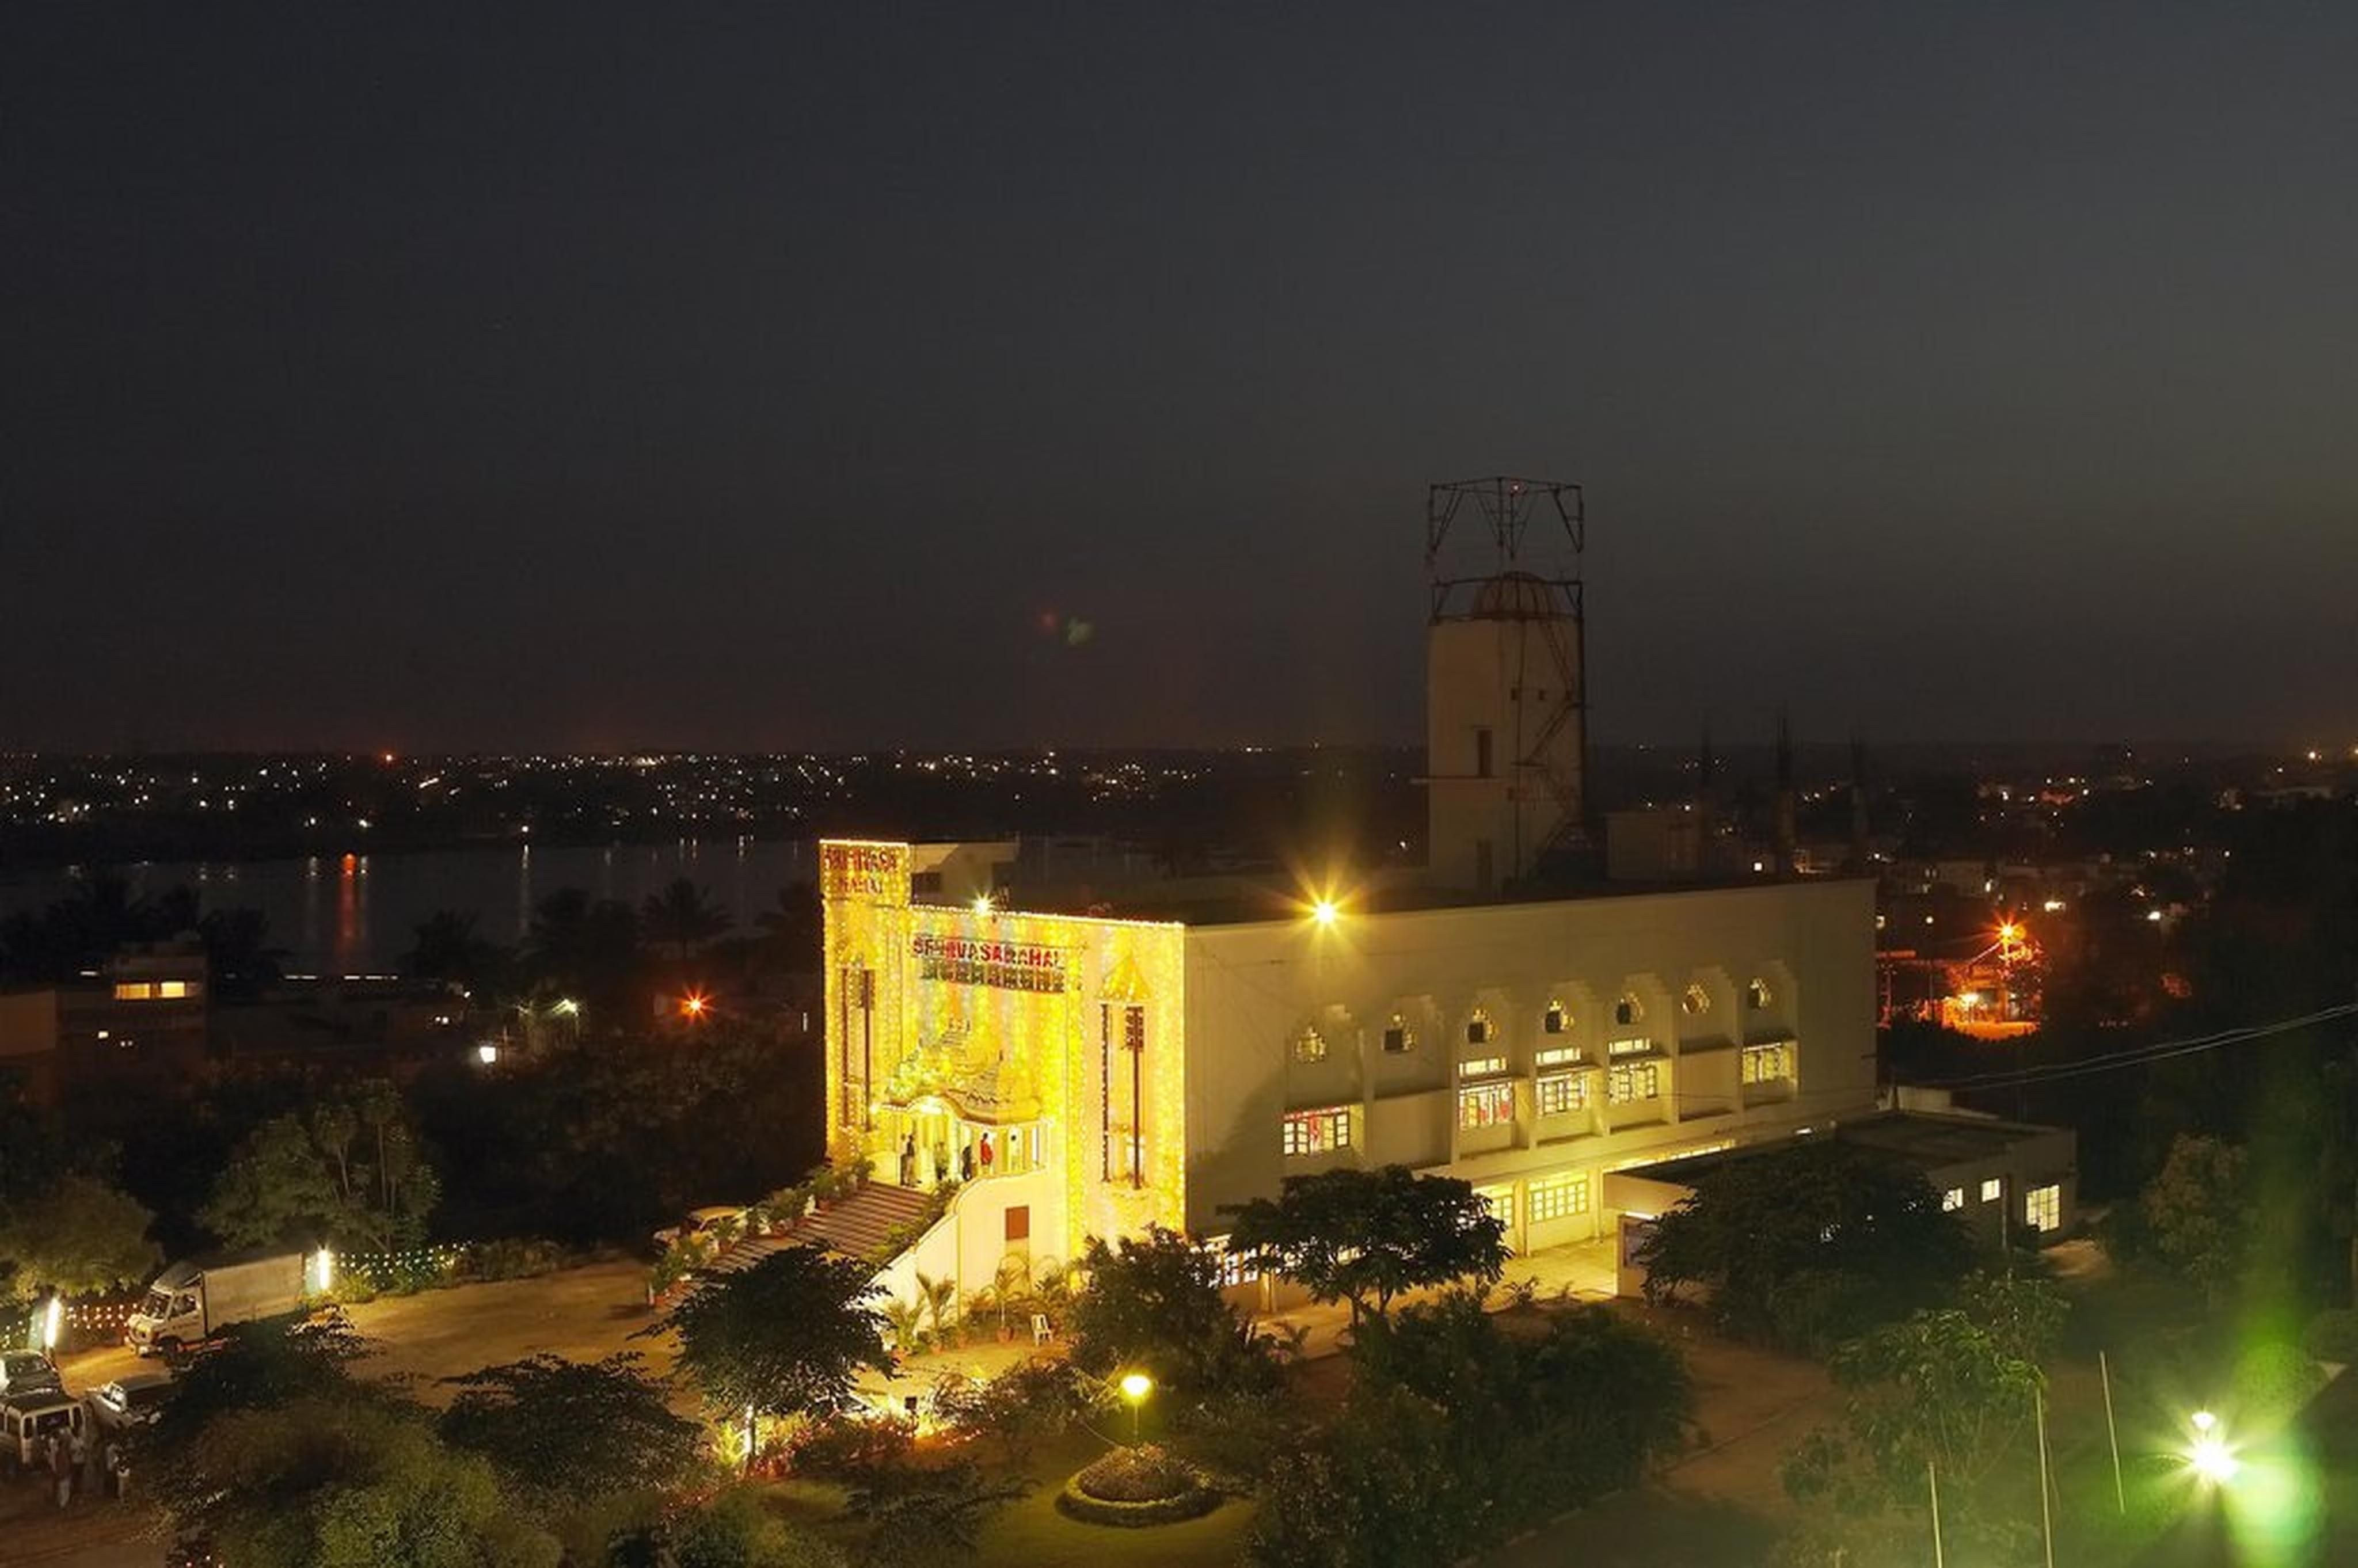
1089, 1074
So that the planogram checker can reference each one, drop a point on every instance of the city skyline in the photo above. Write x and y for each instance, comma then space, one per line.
812, 381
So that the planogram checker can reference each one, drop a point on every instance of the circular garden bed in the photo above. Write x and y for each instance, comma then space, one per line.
1138, 1485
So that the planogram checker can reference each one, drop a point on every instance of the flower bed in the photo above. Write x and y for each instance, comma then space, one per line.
1135, 1487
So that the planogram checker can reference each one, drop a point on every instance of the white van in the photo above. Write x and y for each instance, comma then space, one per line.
26, 1420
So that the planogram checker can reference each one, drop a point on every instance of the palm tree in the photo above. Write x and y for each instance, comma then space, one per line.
790, 933
447, 949
683, 915
906, 1320
939, 1296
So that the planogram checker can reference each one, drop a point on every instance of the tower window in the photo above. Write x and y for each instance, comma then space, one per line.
1627, 1010
1758, 996
1482, 753
1696, 1002
1398, 1038
1478, 1027
1557, 1020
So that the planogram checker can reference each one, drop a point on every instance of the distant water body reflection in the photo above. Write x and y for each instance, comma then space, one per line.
358, 913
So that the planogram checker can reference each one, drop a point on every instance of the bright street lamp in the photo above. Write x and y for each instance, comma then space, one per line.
1324, 912
1135, 1387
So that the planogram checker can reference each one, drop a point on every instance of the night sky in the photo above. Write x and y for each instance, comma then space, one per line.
833, 376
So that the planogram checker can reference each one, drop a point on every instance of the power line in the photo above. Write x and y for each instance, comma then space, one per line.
2138, 1057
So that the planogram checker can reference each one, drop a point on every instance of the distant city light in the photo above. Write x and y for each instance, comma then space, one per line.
2052, 905
487, 1053
693, 1004
2154, 916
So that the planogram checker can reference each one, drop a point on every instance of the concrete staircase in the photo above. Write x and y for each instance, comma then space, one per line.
856, 1227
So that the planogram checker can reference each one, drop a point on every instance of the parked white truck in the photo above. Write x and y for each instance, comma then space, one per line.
191, 1301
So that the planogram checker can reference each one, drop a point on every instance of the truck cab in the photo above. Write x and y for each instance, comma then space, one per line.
172, 1314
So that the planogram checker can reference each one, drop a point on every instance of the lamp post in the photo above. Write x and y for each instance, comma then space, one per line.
1135, 1387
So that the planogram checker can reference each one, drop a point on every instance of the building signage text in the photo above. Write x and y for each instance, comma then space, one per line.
1010, 965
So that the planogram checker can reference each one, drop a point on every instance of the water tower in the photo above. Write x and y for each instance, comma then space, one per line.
1506, 680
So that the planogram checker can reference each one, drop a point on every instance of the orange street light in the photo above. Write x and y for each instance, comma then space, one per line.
693, 1005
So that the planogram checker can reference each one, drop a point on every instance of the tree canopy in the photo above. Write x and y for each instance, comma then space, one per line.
77, 1235
570, 1432
350, 1172
2197, 1212
1364, 1237
1155, 1301
335, 1483
788, 1336
1807, 1244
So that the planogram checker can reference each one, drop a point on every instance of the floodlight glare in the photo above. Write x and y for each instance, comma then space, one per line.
2210, 1459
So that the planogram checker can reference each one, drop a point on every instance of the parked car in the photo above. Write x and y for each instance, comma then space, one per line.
26, 1420
130, 1401
703, 1226
23, 1371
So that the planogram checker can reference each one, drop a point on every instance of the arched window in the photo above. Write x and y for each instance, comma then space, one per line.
1398, 1037
1758, 996
1628, 1010
1478, 1027
1310, 1045
1557, 1020
1696, 1002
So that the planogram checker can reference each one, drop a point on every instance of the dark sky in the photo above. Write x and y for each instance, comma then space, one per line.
760, 377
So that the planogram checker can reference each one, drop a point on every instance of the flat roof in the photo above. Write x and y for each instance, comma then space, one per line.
1244, 902
1927, 1140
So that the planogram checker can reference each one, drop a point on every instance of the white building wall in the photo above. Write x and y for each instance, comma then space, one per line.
1251, 991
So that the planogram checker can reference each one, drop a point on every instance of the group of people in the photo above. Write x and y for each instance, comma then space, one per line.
975, 1158
74, 1462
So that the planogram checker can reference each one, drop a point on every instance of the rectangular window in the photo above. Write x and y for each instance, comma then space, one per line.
1562, 1092
1638, 1045
1500, 1202
1767, 1065
1486, 1105
171, 990
1397, 1039
1237, 1268
1557, 1056
1481, 753
1481, 1067
1559, 1198
1991, 1189
1019, 1223
1318, 1132
134, 991
1633, 1081
1478, 1031
1554, 1021
2042, 1209
1952, 1200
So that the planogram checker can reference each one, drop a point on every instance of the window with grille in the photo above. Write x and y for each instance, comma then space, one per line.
1561, 1092
2042, 1209
1309, 1046
1557, 1056
1481, 1067
1633, 1081
1486, 1105
1767, 1065
1558, 1197
1758, 996
1317, 1131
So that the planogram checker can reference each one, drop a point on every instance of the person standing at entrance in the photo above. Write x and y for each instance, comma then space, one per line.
941, 1161
966, 1164
986, 1153
909, 1160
